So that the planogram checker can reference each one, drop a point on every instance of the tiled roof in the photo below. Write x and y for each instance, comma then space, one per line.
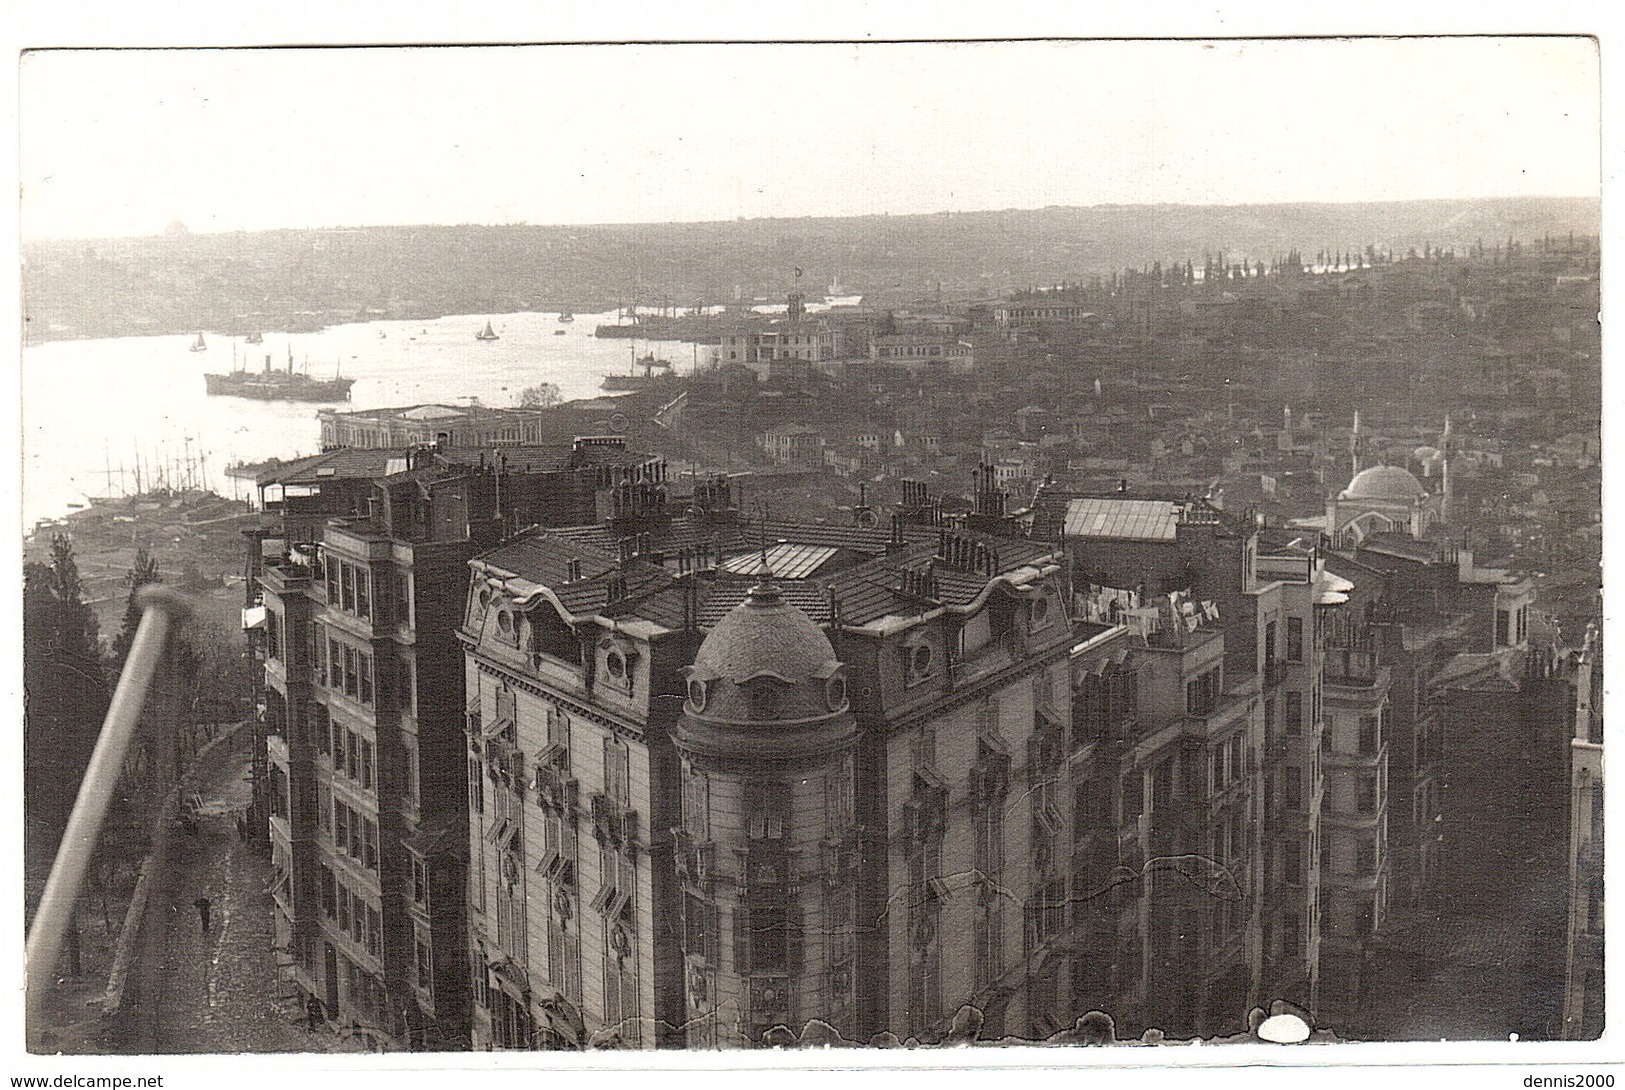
683, 532
806, 573
431, 412
848, 537
718, 598
518, 459
543, 556
592, 594
345, 463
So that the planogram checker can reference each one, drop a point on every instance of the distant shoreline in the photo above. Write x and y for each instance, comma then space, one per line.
33, 337
300, 280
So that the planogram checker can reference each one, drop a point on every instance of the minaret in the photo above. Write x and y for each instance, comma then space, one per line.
1444, 483
1356, 445
1444, 470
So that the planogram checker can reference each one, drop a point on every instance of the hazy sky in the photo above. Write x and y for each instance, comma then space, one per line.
123, 142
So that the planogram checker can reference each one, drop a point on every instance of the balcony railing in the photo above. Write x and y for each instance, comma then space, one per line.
613, 823
556, 790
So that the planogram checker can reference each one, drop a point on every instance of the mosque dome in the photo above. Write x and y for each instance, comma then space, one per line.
1388, 484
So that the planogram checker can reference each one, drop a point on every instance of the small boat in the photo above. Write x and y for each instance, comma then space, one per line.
198, 345
566, 316
254, 338
558, 333
634, 381
487, 334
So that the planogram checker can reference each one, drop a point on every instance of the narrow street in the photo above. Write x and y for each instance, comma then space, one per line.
219, 991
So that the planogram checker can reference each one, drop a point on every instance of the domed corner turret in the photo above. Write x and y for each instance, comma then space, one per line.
767, 743
766, 671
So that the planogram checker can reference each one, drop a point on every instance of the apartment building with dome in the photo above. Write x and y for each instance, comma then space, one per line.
726, 776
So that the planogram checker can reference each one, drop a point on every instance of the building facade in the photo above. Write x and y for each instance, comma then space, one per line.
362, 576
842, 795
426, 425
1584, 975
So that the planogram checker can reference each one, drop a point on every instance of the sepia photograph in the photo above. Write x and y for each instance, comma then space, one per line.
747, 547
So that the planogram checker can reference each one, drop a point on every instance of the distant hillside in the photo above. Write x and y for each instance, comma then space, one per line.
281, 279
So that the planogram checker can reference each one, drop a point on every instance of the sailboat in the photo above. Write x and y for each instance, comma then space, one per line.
254, 338
198, 345
566, 316
487, 334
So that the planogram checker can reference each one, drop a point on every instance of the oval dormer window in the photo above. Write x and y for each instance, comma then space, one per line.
485, 597
616, 664
505, 622
696, 695
835, 693
1040, 611
919, 661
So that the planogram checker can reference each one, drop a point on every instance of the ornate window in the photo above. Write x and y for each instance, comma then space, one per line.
697, 804
767, 932
767, 810
838, 798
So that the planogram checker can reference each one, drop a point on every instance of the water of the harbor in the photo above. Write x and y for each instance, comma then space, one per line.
95, 410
